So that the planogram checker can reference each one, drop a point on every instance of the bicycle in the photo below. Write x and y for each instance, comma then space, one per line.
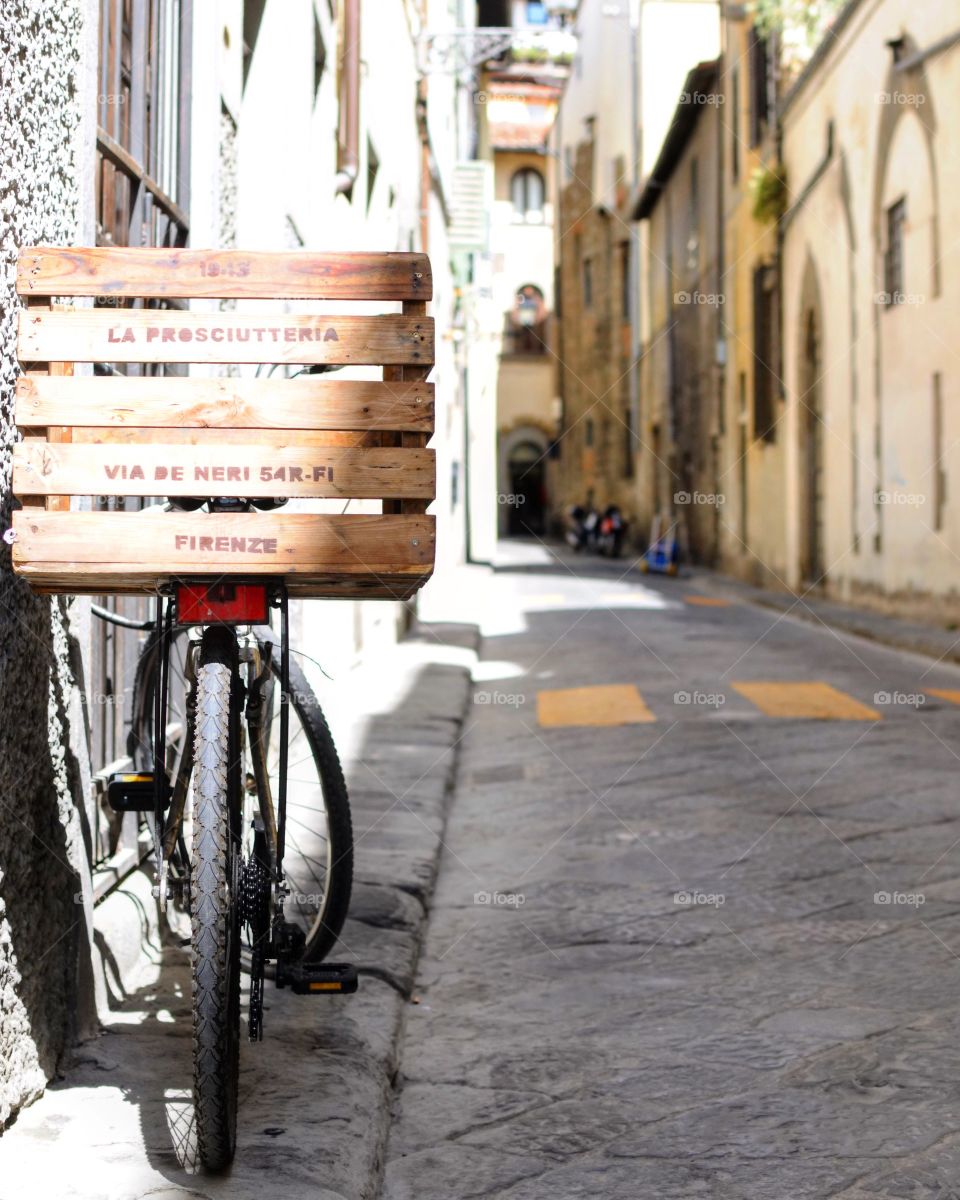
213, 754
215, 692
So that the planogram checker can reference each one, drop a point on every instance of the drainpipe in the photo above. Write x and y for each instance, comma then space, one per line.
348, 135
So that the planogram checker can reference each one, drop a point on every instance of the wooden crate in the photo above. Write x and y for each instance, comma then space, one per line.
140, 435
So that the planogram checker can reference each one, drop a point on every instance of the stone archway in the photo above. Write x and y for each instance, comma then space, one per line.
913, 83
909, 113
522, 473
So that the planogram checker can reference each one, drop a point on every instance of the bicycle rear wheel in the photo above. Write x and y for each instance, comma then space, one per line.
319, 851
318, 864
215, 899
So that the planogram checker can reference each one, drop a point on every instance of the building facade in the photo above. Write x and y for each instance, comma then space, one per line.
811, 404
518, 113
169, 122
751, 529
869, 311
681, 373
618, 105
49, 65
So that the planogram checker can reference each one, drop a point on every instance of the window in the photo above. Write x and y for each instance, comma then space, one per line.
526, 192
625, 280
587, 283
758, 61
893, 258
536, 12
735, 124
494, 12
141, 186
588, 431
764, 334
143, 127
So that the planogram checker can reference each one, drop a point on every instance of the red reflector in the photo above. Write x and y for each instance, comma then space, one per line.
221, 603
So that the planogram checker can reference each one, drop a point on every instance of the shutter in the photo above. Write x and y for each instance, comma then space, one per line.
470, 206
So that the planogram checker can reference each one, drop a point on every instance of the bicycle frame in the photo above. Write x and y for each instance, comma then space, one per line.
167, 828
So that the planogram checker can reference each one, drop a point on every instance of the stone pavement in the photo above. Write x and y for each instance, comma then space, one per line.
685, 940
936, 641
713, 953
314, 1094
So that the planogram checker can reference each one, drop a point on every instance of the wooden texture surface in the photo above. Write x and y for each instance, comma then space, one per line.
305, 403
216, 274
40, 468
120, 436
94, 335
153, 545
149, 436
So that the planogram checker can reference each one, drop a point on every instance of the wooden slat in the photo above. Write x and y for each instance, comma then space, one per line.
153, 544
98, 436
91, 335
70, 470
305, 403
221, 274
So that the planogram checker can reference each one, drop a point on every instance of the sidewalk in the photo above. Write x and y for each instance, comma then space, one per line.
315, 1094
916, 636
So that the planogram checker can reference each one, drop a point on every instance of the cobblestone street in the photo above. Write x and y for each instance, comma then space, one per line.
694, 933
709, 952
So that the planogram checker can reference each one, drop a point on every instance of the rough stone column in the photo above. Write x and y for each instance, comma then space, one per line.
45, 196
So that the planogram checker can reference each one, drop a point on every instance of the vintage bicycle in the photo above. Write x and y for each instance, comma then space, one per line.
233, 766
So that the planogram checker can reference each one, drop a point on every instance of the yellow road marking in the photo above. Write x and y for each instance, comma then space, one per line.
951, 694
609, 704
707, 601
814, 700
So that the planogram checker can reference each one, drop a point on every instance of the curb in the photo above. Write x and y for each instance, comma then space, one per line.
396, 874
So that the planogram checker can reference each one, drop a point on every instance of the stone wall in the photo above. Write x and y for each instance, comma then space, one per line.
44, 831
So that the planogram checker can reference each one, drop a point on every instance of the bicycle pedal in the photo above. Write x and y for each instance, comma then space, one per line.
134, 792
328, 978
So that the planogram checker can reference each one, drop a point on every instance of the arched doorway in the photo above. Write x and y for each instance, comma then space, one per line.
811, 451
526, 497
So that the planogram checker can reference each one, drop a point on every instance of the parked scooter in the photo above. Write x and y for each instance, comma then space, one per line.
611, 532
589, 530
582, 525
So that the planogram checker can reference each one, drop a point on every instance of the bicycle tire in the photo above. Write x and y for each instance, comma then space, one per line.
336, 802
215, 901
326, 759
